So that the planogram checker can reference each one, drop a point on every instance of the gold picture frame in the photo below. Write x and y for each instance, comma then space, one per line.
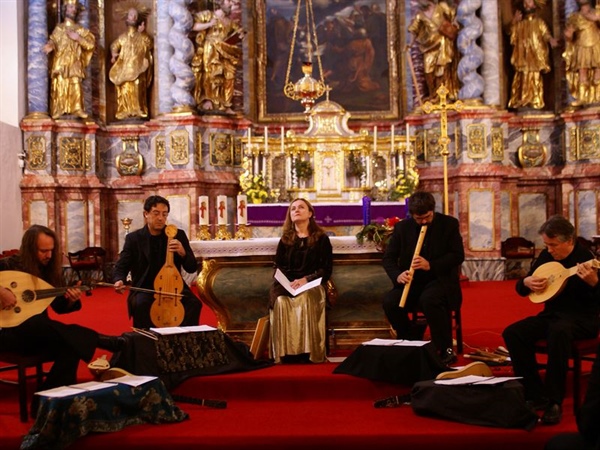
274, 19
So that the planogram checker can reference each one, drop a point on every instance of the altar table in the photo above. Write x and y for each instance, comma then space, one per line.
326, 214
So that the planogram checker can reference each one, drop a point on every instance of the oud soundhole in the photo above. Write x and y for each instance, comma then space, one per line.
17, 309
28, 296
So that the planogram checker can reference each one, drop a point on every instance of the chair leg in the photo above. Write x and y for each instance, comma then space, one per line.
576, 382
22, 378
459, 335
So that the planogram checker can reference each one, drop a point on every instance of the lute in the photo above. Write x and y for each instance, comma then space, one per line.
33, 295
557, 276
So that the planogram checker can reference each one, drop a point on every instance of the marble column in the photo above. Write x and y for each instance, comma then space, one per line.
179, 64
37, 60
490, 70
472, 28
164, 54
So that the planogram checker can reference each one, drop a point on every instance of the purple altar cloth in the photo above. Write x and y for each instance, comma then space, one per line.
326, 214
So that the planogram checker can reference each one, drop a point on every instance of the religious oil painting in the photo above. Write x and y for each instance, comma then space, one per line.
357, 50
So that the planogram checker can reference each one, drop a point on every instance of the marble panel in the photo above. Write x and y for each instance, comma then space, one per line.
76, 226
481, 222
179, 214
483, 269
532, 213
132, 209
587, 211
505, 210
38, 212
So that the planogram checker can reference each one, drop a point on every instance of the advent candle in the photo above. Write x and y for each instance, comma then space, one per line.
203, 209
249, 136
221, 210
266, 139
282, 141
392, 139
407, 136
366, 210
242, 210
375, 139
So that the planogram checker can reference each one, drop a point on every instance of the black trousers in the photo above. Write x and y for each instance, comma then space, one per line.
141, 303
520, 339
433, 300
65, 344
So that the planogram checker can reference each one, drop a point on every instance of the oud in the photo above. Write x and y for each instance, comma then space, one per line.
557, 276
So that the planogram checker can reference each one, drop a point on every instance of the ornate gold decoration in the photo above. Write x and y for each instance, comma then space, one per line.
497, 144
88, 154
476, 148
71, 153
532, 153
243, 232
431, 145
238, 152
130, 162
161, 152
36, 153
221, 149
574, 142
443, 107
198, 149
203, 234
223, 233
589, 142
179, 154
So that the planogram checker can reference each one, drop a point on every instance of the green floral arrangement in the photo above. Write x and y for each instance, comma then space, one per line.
304, 170
378, 233
404, 184
355, 165
254, 187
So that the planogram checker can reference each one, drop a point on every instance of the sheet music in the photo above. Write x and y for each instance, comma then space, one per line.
395, 342
93, 385
61, 391
170, 330
475, 379
133, 380
279, 276
199, 328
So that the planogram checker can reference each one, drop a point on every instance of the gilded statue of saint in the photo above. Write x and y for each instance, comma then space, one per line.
216, 59
434, 30
529, 36
131, 73
582, 54
71, 47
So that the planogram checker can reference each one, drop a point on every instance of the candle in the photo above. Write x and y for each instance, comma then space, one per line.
203, 209
266, 139
392, 139
366, 210
375, 139
282, 141
407, 136
221, 210
242, 210
249, 136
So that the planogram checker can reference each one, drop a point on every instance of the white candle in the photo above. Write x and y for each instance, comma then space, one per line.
266, 139
249, 135
375, 139
392, 139
407, 136
282, 141
203, 209
242, 210
221, 210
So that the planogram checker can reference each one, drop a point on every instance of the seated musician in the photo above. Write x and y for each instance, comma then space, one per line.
144, 255
434, 282
571, 314
304, 254
40, 256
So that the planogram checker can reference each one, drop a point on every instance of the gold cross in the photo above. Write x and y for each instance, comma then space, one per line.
443, 106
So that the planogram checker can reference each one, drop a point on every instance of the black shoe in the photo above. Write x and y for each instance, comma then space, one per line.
392, 402
552, 414
448, 357
538, 404
113, 344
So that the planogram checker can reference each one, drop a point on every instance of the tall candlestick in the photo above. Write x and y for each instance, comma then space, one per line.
249, 136
242, 210
407, 136
221, 210
282, 141
375, 139
266, 139
203, 209
392, 139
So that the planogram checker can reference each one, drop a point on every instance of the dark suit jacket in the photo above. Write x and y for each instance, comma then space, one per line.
135, 258
443, 248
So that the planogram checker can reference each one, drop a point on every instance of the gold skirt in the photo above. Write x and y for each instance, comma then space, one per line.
298, 325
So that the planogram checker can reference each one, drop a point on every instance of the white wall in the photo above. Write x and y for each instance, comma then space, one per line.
13, 64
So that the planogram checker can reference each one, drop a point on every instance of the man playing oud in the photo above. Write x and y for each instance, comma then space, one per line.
570, 314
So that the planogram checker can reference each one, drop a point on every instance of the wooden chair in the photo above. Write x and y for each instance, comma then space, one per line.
582, 350
514, 250
20, 363
89, 261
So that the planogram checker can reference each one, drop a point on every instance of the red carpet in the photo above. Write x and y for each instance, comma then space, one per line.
302, 406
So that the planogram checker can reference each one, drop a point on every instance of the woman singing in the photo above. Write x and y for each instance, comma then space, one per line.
304, 254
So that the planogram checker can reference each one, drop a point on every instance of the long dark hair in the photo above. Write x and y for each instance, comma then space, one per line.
289, 232
28, 253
